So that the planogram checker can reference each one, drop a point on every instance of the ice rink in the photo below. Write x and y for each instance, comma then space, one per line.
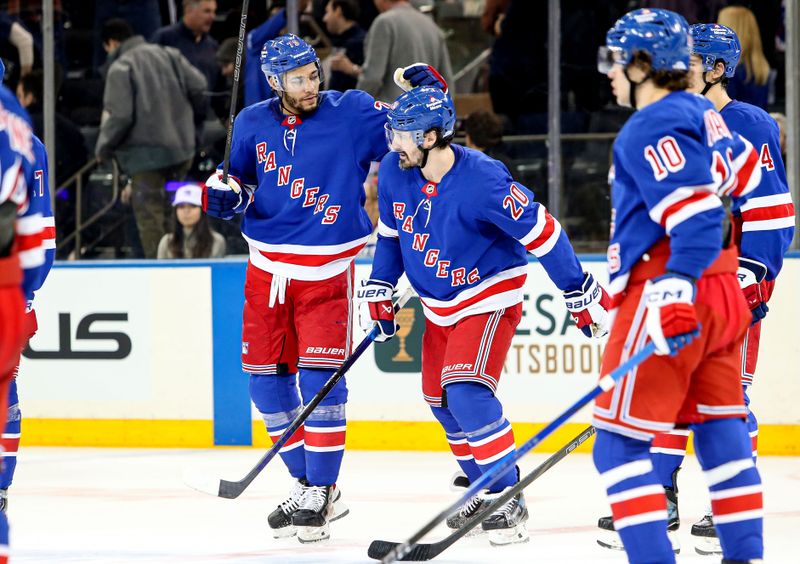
130, 505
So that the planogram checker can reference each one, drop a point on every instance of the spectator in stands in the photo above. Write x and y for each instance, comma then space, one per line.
192, 236
484, 132
751, 81
70, 151
348, 39
190, 36
151, 96
144, 16
29, 13
401, 35
780, 119
493, 11
21, 39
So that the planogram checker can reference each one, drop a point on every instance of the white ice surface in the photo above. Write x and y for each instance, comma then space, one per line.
129, 505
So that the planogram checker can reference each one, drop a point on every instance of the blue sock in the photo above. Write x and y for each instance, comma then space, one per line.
637, 499
325, 427
11, 433
277, 399
667, 452
480, 415
725, 453
457, 440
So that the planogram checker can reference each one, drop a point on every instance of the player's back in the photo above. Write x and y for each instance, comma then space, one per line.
308, 173
662, 176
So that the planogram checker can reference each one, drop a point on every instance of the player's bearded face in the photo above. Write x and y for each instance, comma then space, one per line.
301, 89
696, 74
405, 144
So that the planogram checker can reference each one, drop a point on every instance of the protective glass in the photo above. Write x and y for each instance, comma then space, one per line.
607, 57
403, 140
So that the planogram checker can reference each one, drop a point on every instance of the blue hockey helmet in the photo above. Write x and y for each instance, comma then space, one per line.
715, 42
663, 34
420, 110
286, 53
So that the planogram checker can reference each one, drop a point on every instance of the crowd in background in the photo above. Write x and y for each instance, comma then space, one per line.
146, 84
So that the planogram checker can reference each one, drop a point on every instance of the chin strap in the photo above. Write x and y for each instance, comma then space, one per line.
633, 86
708, 84
425, 153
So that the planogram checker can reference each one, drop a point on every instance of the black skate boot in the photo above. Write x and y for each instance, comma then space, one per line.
609, 538
319, 506
459, 483
705, 537
507, 525
280, 520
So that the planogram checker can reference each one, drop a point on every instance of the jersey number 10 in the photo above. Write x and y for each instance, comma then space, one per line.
666, 158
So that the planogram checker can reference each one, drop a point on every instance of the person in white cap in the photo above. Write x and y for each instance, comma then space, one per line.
192, 236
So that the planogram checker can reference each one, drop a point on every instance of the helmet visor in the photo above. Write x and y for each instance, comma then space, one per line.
402, 141
607, 57
300, 80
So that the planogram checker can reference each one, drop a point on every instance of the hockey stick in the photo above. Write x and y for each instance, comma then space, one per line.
379, 548
508, 462
237, 67
232, 490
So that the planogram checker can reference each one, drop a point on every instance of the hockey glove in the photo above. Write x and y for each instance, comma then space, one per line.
374, 299
671, 318
589, 306
751, 274
419, 74
224, 200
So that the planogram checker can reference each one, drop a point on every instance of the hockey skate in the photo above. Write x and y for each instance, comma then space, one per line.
280, 520
507, 525
319, 506
609, 538
458, 519
705, 537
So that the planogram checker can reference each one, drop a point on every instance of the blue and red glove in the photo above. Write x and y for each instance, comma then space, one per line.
419, 74
589, 306
752, 274
374, 300
671, 318
224, 200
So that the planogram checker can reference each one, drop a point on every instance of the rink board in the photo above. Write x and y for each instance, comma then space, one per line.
146, 353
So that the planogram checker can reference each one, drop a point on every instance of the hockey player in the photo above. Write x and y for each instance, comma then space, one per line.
39, 212
460, 228
674, 284
763, 226
297, 166
21, 252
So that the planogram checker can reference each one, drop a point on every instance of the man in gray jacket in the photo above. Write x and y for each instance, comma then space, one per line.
151, 96
399, 36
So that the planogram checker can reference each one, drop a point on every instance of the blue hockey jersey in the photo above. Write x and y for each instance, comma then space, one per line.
463, 242
39, 218
765, 218
17, 161
307, 219
672, 161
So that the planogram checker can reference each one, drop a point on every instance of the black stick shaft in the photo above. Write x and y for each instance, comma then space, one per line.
237, 68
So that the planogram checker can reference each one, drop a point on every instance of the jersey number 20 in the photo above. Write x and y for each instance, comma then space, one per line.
666, 157
516, 202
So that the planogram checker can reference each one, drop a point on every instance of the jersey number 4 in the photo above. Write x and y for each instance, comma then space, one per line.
665, 157
516, 202
766, 158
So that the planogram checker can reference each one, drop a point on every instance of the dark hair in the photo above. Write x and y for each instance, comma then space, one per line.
484, 127
349, 8
116, 29
672, 80
33, 83
201, 234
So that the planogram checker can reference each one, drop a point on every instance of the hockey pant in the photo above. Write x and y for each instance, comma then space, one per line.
638, 503
315, 450
669, 449
478, 434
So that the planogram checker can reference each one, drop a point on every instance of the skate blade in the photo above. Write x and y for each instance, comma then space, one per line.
504, 537
338, 510
284, 532
612, 540
707, 546
308, 535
